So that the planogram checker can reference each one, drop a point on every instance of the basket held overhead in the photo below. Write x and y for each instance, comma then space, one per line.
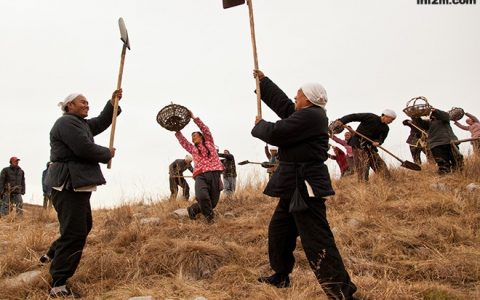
417, 107
173, 117
456, 113
335, 128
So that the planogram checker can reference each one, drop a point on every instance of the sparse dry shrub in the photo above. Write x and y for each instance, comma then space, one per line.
152, 259
104, 264
196, 260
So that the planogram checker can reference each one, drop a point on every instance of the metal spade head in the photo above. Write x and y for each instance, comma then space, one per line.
232, 3
410, 165
124, 33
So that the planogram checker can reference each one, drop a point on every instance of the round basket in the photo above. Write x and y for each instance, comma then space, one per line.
417, 107
333, 127
456, 113
173, 117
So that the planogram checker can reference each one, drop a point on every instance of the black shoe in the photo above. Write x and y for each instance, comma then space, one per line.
278, 280
64, 292
45, 259
190, 213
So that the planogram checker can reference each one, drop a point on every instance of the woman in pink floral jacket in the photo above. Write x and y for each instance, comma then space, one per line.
206, 172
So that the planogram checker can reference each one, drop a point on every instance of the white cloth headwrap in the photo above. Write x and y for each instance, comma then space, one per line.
390, 113
67, 100
315, 93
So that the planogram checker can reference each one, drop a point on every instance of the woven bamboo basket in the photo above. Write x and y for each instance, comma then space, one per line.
332, 127
173, 117
456, 113
417, 107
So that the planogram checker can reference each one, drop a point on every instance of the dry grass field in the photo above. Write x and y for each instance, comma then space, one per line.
414, 237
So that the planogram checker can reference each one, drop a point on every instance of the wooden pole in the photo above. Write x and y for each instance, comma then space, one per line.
115, 101
255, 57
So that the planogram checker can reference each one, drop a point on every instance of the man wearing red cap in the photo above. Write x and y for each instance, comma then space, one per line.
12, 187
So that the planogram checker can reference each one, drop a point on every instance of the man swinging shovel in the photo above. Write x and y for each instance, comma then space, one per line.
232, 3
126, 44
405, 163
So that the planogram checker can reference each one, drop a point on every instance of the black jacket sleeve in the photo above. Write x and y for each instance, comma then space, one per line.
276, 99
360, 117
102, 122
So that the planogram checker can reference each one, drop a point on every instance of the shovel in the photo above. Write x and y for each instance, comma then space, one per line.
405, 163
263, 164
232, 3
465, 140
126, 44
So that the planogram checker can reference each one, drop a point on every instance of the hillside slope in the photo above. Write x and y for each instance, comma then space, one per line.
414, 237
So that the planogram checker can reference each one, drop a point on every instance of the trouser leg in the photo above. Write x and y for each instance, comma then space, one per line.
173, 187
4, 205
282, 238
75, 218
416, 152
456, 158
321, 251
441, 156
17, 199
207, 193
185, 188
360, 160
377, 164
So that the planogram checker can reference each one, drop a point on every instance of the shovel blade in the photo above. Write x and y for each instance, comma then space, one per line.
232, 3
243, 162
410, 165
123, 33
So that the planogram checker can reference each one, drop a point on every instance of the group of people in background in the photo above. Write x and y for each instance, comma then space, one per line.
432, 135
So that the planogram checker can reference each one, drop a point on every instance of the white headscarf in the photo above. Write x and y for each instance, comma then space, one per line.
389, 113
315, 93
63, 104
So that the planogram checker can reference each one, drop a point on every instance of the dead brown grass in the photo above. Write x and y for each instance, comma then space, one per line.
400, 239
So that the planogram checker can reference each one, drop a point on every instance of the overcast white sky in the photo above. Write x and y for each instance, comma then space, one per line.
369, 55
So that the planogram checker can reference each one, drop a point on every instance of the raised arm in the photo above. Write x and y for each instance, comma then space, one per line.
461, 126
184, 142
207, 135
474, 119
338, 140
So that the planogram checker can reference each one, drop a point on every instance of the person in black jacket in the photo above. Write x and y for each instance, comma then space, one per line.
73, 175
365, 153
440, 137
301, 182
12, 187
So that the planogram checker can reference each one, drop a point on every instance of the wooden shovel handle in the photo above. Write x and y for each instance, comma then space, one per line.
115, 102
371, 141
255, 57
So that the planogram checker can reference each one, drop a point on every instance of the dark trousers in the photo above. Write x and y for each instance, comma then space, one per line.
364, 159
75, 218
208, 186
448, 158
317, 241
175, 182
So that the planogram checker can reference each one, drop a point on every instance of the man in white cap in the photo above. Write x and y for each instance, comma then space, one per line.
301, 182
176, 178
365, 153
73, 175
